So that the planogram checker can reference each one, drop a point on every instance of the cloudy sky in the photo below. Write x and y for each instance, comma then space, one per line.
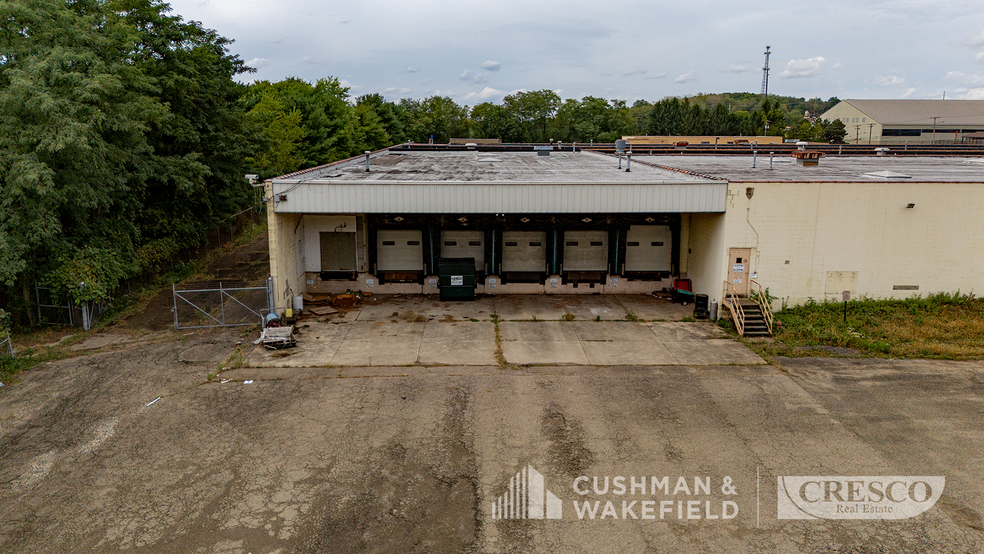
480, 51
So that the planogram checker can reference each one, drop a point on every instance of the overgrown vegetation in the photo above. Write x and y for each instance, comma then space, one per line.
944, 326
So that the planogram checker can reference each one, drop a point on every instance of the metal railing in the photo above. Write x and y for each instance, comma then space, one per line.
759, 297
734, 304
9, 343
219, 305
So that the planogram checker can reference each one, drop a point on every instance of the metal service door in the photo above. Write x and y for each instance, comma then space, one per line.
337, 251
464, 244
648, 248
399, 250
524, 251
739, 269
585, 251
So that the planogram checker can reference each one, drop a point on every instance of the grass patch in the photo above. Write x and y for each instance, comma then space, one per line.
413, 317
631, 316
941, 326
23, 361
567, 316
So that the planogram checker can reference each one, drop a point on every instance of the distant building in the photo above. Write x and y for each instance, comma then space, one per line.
640, 140
908, 121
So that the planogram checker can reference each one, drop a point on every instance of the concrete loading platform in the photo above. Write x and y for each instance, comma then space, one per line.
524, 330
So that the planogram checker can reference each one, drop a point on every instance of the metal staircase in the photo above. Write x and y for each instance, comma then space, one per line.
752, 314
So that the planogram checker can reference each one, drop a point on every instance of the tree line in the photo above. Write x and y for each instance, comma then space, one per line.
125, 136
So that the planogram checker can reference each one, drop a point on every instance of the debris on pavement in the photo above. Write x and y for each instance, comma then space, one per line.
154, 401
276, 338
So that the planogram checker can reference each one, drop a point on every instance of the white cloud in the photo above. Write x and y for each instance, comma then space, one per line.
485, 95
473, 77
977, 41
257, 63
979, 57
490, 65
798, 69
412, 69
737, 69
639, 71
908, 92
660, 76
970, 87
686, 77
889, 81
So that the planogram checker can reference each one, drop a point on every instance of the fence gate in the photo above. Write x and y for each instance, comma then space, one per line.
219, 304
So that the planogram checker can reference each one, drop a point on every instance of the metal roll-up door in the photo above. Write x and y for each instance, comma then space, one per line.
524, 251
585, 251
399, 250
648, 248
464, 244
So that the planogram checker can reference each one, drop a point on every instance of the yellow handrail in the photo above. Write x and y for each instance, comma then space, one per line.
734, 304
763, 303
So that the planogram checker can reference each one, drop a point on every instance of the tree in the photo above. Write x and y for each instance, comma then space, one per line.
493, 121
120, 140
437, 116
533, 111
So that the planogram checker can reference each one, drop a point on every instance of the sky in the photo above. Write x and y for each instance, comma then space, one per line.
476, 51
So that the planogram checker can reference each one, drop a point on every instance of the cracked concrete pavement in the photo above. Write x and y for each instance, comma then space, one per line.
410, 459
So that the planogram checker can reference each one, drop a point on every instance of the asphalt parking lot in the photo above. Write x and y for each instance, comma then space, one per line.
413, 458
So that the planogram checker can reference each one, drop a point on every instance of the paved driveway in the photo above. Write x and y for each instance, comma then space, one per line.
531, 330
411, 459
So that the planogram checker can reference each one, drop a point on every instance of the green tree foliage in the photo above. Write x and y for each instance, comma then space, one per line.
821, 130
120, 139
437, 116
532, 111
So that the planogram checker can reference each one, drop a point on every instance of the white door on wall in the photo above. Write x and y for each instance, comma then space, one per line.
464, 244
524, 251
648, 248
585, 250
399, 250
739, 269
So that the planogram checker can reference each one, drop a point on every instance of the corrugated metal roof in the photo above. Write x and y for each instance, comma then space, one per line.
921, 112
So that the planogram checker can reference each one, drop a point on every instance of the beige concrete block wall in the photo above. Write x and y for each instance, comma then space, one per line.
808, 239
283, 256
708, 253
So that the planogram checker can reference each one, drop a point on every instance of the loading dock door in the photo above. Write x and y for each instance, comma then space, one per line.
524, 251
585, 251
399, 250
464, 244
337, 251
648, 248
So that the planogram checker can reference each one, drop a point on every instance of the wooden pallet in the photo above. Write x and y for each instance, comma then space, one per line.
277, 338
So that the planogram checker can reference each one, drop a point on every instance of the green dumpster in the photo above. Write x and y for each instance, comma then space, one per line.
456, 278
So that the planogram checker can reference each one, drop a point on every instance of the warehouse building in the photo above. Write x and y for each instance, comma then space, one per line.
900, 122
565, 222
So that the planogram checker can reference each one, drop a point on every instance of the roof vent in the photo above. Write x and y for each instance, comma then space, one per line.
805, 158
620, 146
887, 175
880, 151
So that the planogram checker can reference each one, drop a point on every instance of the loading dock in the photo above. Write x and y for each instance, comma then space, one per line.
338, 255
399, 255
585, 256
648, 250
464, 244
524, 256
